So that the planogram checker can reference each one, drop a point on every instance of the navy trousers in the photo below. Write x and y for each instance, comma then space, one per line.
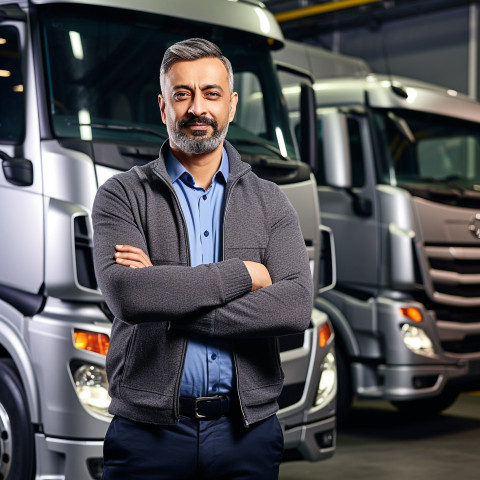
220, 449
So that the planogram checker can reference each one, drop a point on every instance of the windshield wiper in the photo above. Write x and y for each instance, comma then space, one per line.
267, 146
120, 128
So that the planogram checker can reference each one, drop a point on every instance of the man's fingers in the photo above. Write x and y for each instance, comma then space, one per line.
259, 274
128, 262
131, 256
130, 249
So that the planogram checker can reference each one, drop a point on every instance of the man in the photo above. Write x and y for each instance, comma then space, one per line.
203, 264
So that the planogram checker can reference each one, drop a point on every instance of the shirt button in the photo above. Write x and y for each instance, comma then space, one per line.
214, 356
206, 233
204, 197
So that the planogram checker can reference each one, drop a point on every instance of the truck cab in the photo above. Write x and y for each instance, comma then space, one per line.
78, 89
399, 185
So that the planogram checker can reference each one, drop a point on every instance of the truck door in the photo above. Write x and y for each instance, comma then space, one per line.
350, 212
21, 210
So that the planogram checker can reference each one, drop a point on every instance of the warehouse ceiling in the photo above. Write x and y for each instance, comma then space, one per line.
303, 20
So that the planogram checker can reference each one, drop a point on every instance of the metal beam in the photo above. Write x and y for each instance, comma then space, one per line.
370, 16
321, 8
473, 52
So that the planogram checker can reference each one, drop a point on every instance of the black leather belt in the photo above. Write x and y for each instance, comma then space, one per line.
206, 408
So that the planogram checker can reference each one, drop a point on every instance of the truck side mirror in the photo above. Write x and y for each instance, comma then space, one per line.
336, 150
308, 125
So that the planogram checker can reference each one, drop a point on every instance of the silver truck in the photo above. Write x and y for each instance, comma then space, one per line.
399, 185
78, 101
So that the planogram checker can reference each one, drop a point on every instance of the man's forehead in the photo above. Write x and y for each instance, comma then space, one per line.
209, 70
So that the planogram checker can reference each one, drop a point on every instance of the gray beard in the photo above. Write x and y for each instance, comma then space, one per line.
199, 144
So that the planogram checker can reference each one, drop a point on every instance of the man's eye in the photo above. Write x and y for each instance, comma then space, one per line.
213, 94
180, 95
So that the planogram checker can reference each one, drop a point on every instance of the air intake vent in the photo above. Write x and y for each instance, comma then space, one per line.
83, 254
291, 342
291, 394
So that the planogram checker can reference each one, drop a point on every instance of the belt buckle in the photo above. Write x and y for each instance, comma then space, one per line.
198, 400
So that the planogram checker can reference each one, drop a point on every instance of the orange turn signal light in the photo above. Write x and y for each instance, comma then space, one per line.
324, 334
91, 341
412, 313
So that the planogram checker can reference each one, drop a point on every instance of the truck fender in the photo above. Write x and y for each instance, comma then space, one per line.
14, 345
343, 332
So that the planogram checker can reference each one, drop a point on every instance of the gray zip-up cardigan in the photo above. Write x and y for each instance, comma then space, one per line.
157, 308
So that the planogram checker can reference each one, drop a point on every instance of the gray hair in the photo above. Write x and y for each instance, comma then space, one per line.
194, 49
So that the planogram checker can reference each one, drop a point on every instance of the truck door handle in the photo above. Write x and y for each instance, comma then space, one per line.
17, 171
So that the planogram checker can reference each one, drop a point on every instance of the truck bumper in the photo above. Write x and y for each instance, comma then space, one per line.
313, 441
308, 423
407, 374
62, 459
410, 382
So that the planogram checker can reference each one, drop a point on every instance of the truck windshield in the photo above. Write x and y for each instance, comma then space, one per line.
102, 71
430, 155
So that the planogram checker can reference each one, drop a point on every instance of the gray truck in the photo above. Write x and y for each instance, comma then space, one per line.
399, 185
78, 101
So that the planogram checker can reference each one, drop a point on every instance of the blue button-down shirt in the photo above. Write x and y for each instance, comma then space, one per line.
208, 364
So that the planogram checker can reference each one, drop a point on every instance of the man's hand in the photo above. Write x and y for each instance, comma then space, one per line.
132, 257
259, 273
135, 257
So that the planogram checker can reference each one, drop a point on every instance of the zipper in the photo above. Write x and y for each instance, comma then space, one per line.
227, 198
242, 411
176, 405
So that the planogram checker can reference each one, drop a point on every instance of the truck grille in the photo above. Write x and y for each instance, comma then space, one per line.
455, 275
458, 328
450, 258
469, 344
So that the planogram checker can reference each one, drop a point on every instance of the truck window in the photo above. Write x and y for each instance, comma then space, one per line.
12, 113
445, 152
86, 55
249, 113
448, 157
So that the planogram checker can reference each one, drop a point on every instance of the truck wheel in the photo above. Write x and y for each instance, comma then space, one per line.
344, 386
16, 430
427, 407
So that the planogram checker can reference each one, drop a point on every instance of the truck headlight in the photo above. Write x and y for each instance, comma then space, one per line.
91, 385
416, 340
327, 387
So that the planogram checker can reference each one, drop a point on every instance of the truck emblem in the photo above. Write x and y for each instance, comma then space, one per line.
474, 225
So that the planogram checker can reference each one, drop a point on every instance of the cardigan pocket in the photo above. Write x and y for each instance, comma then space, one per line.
148, 363
260, 371
121, 338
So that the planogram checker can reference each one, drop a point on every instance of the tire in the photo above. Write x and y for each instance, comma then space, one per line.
427, 407
344, 386
16, 430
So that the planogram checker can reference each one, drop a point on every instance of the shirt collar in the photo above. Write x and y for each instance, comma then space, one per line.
175, 169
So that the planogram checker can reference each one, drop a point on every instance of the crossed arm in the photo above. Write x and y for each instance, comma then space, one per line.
135, 257
225, 299
245, 316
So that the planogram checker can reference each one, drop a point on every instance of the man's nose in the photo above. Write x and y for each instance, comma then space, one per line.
198, 106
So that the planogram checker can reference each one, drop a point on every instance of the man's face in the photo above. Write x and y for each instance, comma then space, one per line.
196, 104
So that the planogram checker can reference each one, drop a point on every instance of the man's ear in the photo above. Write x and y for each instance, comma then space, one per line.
161, 104
233, 105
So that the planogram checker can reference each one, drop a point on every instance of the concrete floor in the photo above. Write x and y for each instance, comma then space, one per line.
379, 444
